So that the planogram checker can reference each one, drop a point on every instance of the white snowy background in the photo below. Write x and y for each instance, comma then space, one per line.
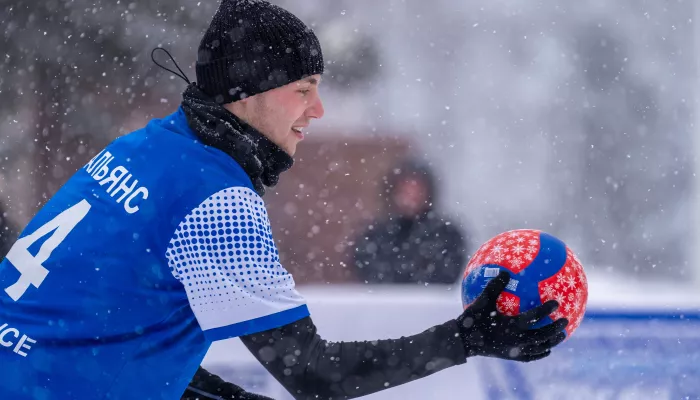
576, 118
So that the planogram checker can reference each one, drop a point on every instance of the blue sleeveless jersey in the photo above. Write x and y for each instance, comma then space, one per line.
149, 253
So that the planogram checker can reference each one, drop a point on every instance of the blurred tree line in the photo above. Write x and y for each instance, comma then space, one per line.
78, 70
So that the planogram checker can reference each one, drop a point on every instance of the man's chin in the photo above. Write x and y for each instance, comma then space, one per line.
290, 149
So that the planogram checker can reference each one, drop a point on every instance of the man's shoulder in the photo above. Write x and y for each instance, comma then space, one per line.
170, 150
162, 165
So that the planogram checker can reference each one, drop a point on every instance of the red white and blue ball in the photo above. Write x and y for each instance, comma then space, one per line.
541, 267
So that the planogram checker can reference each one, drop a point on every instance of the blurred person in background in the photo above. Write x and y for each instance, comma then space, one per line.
413, 242
161, 245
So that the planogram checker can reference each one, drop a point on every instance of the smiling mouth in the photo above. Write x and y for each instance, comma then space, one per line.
298, 132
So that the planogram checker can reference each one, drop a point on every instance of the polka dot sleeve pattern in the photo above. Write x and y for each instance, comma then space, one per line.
224, 255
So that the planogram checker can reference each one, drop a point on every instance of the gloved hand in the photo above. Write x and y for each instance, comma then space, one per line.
206, 386
487, 332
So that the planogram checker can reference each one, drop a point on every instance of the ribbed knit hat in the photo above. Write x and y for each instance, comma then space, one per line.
253, 46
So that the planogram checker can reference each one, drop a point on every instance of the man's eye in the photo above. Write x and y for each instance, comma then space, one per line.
304, 91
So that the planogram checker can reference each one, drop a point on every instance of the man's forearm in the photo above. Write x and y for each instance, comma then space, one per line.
312, 368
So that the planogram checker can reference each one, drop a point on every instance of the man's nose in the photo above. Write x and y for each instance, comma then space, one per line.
316, 110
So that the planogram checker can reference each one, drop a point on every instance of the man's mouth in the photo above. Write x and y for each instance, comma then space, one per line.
298, 131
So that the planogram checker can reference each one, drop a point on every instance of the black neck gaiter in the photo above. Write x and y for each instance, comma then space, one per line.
215, 126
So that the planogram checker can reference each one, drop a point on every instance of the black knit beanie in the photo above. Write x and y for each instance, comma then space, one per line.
253, 46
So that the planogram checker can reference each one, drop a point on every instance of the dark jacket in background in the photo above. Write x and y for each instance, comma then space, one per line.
424, 248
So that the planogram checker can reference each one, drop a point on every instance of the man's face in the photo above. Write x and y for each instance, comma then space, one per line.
283, 113
411, 196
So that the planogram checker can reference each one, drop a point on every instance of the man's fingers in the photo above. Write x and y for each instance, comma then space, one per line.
539, 351
534, 315
533, 357
493, 289
545, 333
546, 345
557, 340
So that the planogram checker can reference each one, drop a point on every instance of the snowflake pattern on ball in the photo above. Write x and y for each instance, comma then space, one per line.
224, 254
513, 250
508, 304
569, 287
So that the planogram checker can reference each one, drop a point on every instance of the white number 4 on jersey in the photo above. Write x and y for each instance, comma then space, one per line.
31, 267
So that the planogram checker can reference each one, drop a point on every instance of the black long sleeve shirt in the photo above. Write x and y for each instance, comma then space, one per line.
310, 367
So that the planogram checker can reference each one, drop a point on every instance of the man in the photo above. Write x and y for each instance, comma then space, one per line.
412, 242
161, 245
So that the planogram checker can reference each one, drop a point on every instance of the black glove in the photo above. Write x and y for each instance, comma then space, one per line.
487, 332
207, 386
